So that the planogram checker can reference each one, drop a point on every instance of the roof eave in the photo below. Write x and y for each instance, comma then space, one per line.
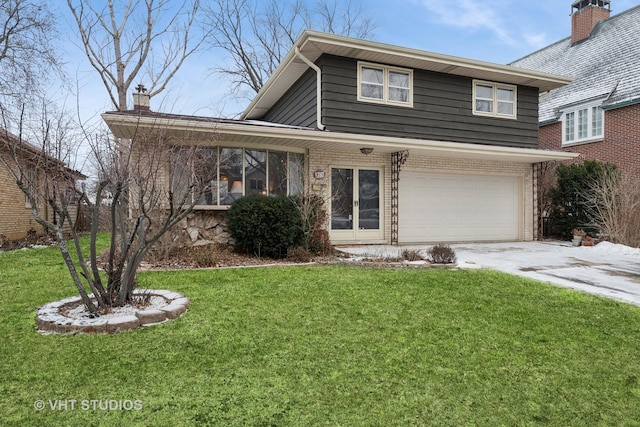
124, 126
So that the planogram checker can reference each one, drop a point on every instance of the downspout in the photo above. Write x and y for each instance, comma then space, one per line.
318, 87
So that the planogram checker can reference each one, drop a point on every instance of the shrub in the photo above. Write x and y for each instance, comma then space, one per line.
314, 215
204, 256
614, 206
442, 254
411, 255
164, 248
570, 197
299, 254
265, 225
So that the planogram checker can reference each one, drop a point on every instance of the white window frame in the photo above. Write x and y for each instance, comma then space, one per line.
571, 117
385, 84
495, 87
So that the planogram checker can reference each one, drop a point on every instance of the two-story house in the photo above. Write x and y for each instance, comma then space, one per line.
406, 146
598, 114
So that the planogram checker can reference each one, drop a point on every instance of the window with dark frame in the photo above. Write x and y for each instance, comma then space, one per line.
221, 175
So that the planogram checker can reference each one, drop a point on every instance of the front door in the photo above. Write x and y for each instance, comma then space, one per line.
356, 208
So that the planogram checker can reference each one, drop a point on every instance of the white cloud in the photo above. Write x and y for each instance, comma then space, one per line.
469, 14
536, 41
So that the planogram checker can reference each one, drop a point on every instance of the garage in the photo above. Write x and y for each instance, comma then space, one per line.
437, 207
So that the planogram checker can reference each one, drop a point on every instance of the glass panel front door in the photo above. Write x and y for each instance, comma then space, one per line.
356, 212
368, 199
342, 199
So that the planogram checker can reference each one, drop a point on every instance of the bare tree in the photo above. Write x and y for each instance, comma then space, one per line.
48, 184
123, 40
257, 35
27, 55
151, 184
546, 180
613, 206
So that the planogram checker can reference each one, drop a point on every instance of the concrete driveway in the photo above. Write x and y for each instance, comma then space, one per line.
606, 269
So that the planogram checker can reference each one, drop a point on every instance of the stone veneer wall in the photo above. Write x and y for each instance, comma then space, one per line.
201, 227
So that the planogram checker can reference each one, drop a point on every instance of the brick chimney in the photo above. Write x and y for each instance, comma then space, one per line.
141, 99
585, 14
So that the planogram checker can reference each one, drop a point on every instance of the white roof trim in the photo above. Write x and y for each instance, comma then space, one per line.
125, 126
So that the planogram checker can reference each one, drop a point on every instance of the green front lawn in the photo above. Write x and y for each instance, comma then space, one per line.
333, 346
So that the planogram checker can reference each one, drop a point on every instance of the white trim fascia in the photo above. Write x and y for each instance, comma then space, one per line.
310, 36
382, 143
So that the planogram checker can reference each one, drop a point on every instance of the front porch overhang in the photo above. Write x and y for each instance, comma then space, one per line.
192, 129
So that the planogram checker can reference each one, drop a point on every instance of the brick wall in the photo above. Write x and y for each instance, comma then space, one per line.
15, 216
322, 161
583, 21
620, 146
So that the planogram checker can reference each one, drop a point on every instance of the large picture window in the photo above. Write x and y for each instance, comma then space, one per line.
221, 175
383, 84
494, 99
582, 124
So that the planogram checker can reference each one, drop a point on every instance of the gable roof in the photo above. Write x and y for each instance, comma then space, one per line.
313, 44
604, 66
34, 154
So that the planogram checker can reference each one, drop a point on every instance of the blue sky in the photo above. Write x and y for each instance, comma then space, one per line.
497, 31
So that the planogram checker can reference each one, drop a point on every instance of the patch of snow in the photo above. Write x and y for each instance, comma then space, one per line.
612, 248
469, 266
81, 312
416, 262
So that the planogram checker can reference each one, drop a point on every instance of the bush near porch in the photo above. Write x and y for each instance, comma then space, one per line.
327, 345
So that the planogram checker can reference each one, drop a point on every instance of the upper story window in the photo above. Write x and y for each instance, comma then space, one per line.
582, 124
494, 99
383, 84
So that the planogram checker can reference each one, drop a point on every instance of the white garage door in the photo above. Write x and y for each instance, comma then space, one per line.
458, 208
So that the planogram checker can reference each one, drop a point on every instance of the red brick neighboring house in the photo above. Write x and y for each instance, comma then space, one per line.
16, 218
598, 114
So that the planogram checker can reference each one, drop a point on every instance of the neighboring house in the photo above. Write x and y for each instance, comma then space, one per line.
406, 146
16, 218
598, 114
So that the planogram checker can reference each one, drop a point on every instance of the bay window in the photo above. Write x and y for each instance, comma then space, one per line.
584, 123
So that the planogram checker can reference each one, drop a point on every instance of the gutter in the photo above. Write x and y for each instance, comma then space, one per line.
621, 104
125, 125
318, 87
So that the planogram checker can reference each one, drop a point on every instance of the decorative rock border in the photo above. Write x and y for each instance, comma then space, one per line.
50, 317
